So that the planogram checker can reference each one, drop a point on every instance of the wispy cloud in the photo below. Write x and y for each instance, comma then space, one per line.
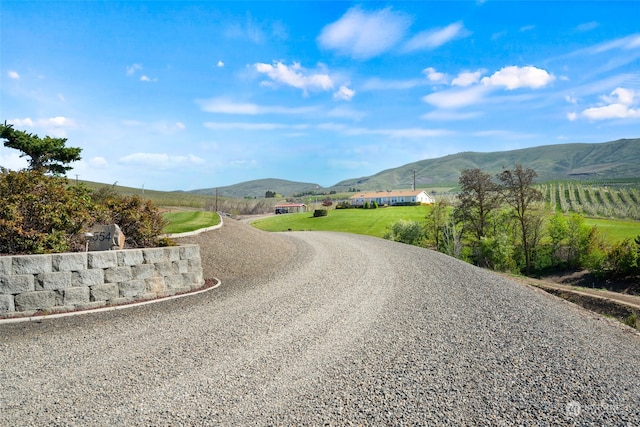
131, 69
344, 93
161, 160
226, 106
162, 127
467, 78
434, 76
457, 98
432, 39
53, 126
364, 35
245, 126
13, 75
588, 26
295, 76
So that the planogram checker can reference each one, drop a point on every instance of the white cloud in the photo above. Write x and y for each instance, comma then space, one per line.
145, 78
456, 98
407, 133
612, 111
156, 127
527, 28
364, 35
11, 159
98, 162
572, 116
513, 77
432, 39
435, 76
344, 93
131, 69
619, 104
251, 126
622, 96
13, 75
53, 126
376, 83
571, 99
450, 115
220, 64
467, 78
161, 160
295, 76
225, 106
346, 113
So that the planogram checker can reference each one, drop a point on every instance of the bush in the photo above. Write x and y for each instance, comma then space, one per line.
409, 232
44, 214
319, 212
41, 214
139, 219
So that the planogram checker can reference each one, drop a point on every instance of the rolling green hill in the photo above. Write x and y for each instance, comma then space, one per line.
259, 187
616, 159
602, 161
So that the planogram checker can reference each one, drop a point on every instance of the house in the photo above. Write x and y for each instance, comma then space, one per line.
393, 197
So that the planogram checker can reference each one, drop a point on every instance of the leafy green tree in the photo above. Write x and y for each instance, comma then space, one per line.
437, 221
478, 199
519, 193
48, 155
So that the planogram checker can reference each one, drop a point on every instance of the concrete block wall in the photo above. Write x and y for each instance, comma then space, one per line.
81, 280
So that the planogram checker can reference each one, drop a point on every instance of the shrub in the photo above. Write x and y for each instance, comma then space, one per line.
41, 214
410, 232
320, 212
139, 220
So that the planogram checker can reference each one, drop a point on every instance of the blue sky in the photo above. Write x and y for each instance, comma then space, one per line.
187, 95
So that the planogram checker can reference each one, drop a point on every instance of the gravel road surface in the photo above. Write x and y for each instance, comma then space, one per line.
337, 330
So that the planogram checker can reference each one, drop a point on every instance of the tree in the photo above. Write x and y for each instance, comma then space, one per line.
518, 192
48, 155
478, 198
436, 222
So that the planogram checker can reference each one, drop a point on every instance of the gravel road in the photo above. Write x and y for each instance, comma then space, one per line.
339, 330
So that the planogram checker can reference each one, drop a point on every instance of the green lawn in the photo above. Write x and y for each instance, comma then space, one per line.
181, 222
372, 222
615, 230
375, 222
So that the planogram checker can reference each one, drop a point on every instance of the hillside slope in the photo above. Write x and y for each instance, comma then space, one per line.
616, 159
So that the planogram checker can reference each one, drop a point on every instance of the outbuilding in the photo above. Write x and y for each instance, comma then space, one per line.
284, 208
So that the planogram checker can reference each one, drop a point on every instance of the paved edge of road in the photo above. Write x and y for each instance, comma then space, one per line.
108, 308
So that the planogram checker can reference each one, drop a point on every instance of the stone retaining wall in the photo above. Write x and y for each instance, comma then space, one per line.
82, 280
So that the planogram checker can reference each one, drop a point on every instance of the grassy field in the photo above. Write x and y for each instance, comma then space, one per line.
615, 230
375, 222
372, 222
181, 222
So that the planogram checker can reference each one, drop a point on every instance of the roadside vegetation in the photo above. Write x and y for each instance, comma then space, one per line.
42, 212
506, 223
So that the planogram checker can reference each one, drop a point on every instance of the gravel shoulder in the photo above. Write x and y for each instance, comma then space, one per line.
337, 329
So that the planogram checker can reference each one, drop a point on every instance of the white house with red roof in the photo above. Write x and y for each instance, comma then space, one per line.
393, 197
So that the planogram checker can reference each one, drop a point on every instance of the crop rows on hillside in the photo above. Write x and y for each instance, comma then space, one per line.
592, 200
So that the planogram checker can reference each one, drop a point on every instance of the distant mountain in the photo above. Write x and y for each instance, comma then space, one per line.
609, 160
258, 188
616, 159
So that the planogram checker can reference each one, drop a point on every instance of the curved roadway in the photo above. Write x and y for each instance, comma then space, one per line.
356, 330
